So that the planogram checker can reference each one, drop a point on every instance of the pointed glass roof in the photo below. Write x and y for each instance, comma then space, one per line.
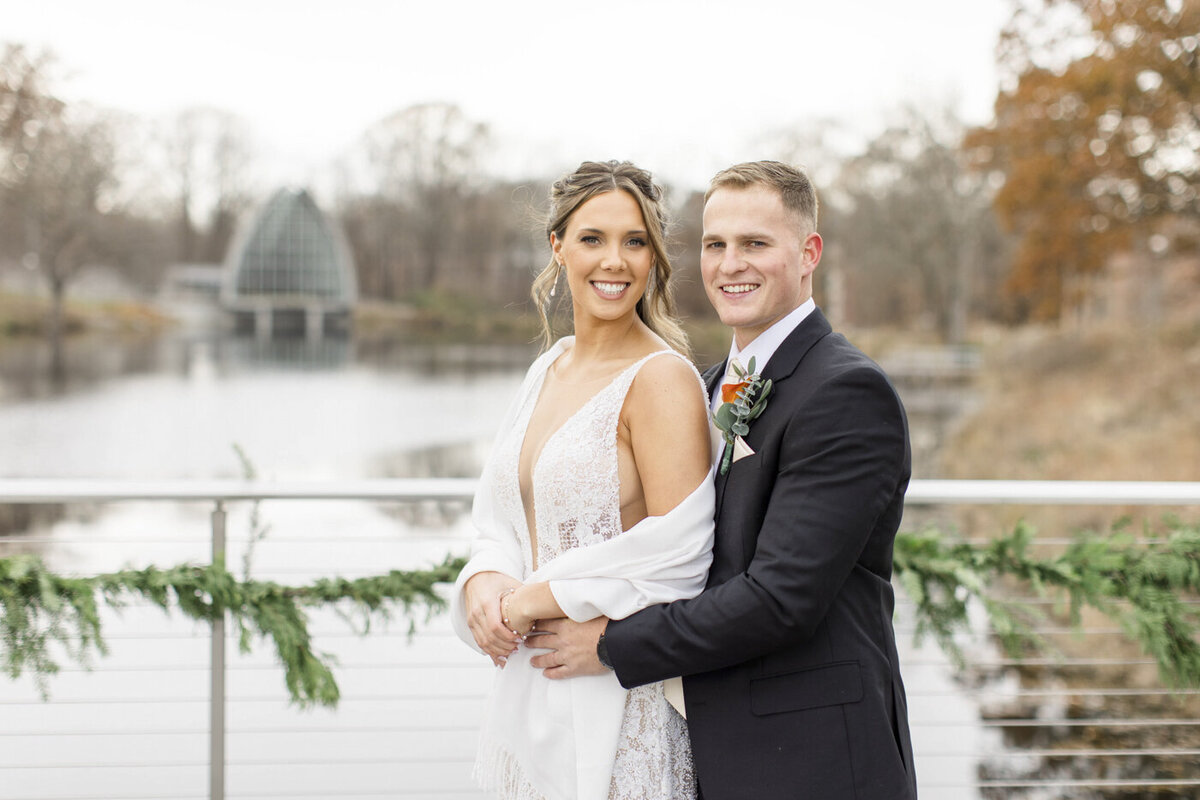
292, 250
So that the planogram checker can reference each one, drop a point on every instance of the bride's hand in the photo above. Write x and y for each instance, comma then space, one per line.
515, 611
482, 593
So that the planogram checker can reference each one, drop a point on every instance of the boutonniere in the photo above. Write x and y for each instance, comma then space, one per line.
742, 402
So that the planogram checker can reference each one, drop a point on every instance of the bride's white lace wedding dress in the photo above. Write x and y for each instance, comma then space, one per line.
562, 740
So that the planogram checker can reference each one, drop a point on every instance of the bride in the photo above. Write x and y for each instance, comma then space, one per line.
597, 500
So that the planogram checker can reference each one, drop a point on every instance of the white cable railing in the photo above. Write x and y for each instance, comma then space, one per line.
920, 492
423, 749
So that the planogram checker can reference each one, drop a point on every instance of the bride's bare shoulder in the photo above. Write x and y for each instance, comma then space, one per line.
667, 384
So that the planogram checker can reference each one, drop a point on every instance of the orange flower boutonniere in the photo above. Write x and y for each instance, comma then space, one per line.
741, 403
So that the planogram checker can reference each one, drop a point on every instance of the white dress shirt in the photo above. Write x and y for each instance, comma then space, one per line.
767, 342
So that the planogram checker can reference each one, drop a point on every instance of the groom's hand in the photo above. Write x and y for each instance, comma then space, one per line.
572, 647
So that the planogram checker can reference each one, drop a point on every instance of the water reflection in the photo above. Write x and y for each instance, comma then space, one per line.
27, 367
300, 409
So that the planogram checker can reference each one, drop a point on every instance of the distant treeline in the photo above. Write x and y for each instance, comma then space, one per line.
1092, 153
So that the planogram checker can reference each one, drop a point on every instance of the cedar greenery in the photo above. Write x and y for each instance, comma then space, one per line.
40, 607
1148, 589
1145, 587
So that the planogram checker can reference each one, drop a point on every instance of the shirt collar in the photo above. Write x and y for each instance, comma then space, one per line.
767, 342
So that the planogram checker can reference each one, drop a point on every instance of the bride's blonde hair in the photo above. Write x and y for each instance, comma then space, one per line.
657, 306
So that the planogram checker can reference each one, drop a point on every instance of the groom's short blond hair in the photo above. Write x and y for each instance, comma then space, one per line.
792, 183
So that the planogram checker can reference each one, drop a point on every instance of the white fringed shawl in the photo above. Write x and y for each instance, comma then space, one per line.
559, 737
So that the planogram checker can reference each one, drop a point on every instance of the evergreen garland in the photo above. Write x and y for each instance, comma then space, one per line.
41, 607
1150, 590
1145, 587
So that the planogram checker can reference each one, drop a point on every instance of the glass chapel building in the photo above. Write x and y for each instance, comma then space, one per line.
290, 272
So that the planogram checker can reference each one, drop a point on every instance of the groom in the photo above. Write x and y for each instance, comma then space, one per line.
792, 681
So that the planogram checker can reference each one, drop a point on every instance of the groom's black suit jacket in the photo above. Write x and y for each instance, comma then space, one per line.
792, 681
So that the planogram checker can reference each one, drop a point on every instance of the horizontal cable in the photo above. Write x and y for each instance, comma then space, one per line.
442, 665
983, 541
143, 732
920, 492
399, 759
1066, 691
1017, 753
272, 665
120, 701
1097, 783
416, 727
986, 635
902, 600
107, 542
266, 762
377, 631
102, 765
401, 539
1034, 662
1040, 722
26, 490
122, 796
272, 540
343, 794
274, 729
171, 636
1010, 722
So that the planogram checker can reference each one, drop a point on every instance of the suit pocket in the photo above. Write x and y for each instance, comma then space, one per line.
815, 687
749, 462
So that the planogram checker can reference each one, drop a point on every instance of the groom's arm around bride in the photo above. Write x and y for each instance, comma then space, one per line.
792, 681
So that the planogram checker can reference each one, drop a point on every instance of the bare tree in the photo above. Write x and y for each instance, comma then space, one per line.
60, 164
26, 107
70, 169
917, 230
821, 147
232, 157
208, 152
423, 162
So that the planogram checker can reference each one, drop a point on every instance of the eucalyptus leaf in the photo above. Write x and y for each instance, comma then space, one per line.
724, 416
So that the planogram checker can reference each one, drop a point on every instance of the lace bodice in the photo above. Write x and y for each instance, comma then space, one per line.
579, 460
576, 497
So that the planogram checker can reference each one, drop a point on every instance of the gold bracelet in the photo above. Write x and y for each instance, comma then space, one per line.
504, 615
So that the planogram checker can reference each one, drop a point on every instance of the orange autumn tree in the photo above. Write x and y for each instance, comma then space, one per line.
1095, 137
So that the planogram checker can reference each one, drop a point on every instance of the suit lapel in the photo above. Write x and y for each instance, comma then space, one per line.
782, 364
811, 330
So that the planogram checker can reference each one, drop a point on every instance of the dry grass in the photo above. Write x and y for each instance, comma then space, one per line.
1106, 404
28, 316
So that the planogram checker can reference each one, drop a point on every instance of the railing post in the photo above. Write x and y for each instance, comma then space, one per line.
216, 729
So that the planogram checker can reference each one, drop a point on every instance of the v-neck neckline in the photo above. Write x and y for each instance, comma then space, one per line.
537, 460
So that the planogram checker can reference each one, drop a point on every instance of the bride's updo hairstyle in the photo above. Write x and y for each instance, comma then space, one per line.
657, 306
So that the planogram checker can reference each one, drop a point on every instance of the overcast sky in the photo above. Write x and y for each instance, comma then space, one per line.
683, 87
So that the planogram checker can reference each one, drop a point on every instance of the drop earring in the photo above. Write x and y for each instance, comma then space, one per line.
557, 273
